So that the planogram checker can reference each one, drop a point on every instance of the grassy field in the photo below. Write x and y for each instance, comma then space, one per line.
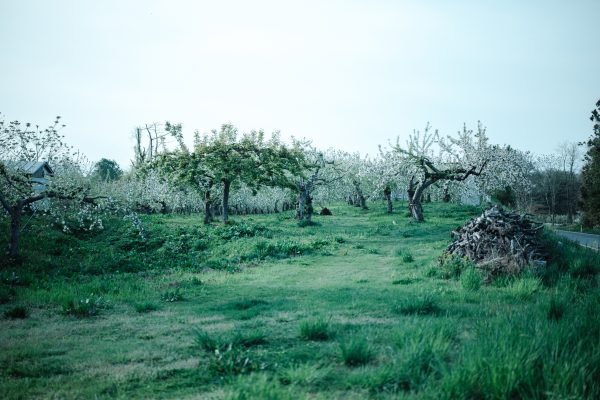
353, 307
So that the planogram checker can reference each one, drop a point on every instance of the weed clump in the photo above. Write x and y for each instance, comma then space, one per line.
145, 307
452, 266
470, 279
304, 223
407, 258
524, 287
232, 361
87, 307
356, 352
17, 312
555, 309
316, 330
253, 338
422, 305
172, 296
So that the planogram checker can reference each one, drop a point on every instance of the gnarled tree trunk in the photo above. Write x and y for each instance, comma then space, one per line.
387, 193
304, 211
207, 208
15, 230
226, 187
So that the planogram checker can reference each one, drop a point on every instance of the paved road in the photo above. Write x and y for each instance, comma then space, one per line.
584, 239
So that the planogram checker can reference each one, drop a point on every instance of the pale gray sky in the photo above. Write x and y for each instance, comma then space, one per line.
346, 74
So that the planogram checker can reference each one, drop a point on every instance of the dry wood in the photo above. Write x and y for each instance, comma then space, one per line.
499, 241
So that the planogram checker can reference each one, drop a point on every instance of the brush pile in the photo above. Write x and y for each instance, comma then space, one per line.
499, 241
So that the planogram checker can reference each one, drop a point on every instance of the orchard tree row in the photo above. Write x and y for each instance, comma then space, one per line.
226, 172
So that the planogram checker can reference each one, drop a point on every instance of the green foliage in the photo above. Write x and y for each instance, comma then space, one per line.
239, 230
590, 189
210, 343
107, 170
316, 330
305, 222
524, 287
404, 281
407, 257
17, 312
232, 361
555, 309
452, 266
172, 295
260, 387
356, 352
428, 338
506, 196
250, 339
418, 305
470, 279
145, 307
420, 355
85, 307
245, 304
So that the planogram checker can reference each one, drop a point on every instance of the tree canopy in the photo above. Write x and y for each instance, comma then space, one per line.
590, 190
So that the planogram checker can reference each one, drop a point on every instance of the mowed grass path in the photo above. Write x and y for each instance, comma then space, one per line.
360, 314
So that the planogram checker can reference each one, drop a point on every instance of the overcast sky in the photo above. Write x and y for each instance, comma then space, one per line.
345, 74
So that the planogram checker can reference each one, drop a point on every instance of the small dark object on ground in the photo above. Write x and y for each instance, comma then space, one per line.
325, 211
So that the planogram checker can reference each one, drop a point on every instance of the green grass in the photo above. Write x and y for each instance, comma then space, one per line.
356, 352
236, 312
17, 312
470, 279
317, 330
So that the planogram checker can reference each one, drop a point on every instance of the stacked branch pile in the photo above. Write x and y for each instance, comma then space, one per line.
499, 241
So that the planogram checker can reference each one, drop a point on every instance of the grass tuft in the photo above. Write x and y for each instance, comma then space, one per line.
420, 305
555, 309
356, 352
470, 280
17, 312
145, 307
232, 361
86, 307
524, 287
316, 330
172, 296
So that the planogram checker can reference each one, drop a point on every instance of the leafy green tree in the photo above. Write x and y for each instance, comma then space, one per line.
189, 169
590, 189
107, 170
223, 160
